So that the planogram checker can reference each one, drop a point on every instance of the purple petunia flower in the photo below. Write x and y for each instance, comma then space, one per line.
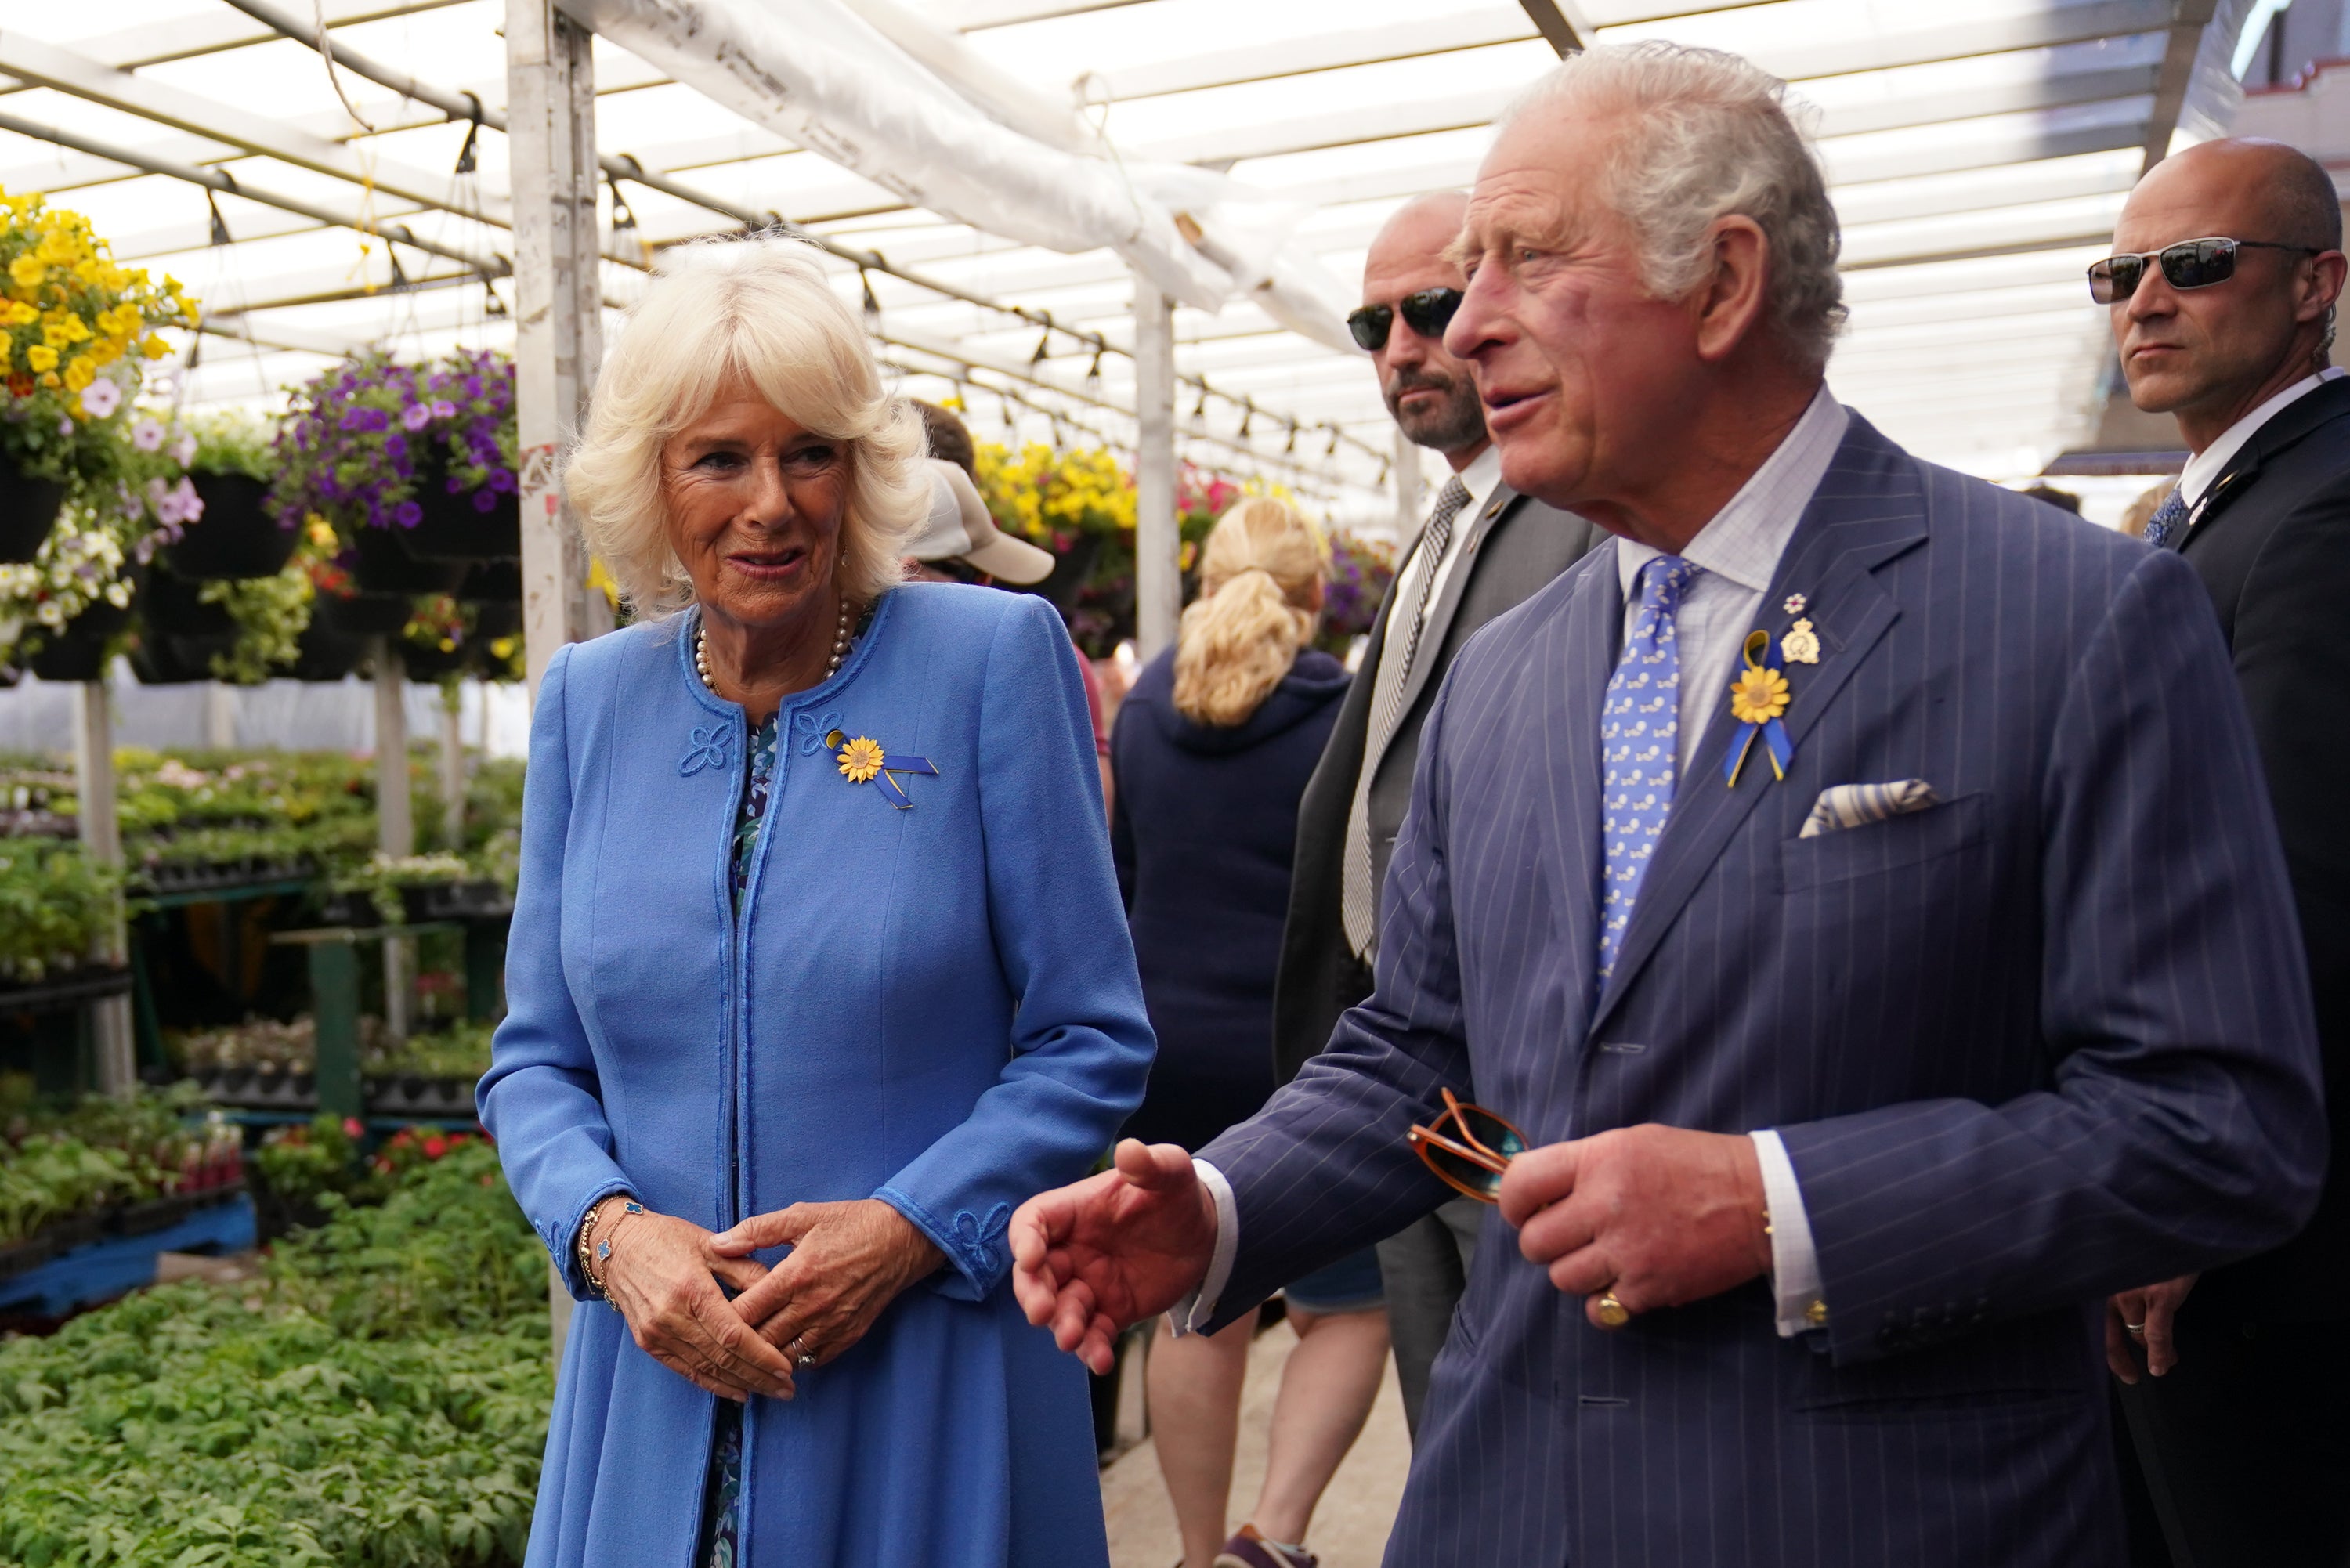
407, 514
396, 446
417, 417
500, 480
484, 500
444, 410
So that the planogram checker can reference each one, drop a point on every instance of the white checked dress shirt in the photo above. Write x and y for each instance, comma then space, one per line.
1736, 555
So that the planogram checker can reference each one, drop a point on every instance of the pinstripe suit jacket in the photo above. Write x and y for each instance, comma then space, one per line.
2047, 1040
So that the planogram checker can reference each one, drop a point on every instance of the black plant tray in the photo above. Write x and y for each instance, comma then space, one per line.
454, 901
216, 877
252, 1089
86, 984
413, 1095
162, 1213
20, 1257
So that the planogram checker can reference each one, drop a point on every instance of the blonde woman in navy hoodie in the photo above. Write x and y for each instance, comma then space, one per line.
1212, 751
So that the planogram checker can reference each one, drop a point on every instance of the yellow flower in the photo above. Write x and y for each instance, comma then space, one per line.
27, 270
861, 759
21, 314
1758, 696
80, 372
40, 357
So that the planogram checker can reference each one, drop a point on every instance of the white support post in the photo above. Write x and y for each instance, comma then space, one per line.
220, 715
1158, 542
452, 768
101, 840
1406, 484
558, 340
394, 813
558, 334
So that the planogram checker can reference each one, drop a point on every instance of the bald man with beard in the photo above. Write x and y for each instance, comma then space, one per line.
2238, 1396
1493, 550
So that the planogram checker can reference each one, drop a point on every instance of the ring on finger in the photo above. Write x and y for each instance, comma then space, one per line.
801, 1357
1613, 1313
2133, 1328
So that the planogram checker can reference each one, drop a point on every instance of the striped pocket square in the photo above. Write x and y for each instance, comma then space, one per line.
1856, 805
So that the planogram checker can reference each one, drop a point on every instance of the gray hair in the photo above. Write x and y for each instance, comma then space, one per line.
757, 311
1706, 136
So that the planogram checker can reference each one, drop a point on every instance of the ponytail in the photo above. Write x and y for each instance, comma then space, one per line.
1238, 639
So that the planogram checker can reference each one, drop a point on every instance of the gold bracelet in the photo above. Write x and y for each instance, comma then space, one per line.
591, 1254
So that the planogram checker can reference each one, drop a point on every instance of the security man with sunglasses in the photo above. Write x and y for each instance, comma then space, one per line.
1483, 549
2222, 300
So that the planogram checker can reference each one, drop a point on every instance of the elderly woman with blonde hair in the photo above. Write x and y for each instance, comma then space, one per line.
1212, 751
816, 972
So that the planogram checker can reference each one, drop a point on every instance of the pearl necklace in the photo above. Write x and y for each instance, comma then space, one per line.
702, 650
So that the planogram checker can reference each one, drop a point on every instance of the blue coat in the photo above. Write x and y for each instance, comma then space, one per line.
1205, 829
2047, 1040
937, 1007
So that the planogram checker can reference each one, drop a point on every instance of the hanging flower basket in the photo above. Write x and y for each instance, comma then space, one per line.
493, 583
326, 655
28, 510
365, 614
379, 563
174, 606
75, 331
74, 654
426, 453
236, 538
154, 661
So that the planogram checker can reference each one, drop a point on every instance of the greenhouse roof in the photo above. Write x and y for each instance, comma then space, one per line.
1978, 152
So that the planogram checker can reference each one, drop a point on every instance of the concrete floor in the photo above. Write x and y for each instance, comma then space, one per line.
1350, 1527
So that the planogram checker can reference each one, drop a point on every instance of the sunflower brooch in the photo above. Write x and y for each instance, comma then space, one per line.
1757, 698
862, 760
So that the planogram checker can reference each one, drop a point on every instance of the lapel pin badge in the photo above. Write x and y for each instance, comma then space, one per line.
1757, 698
1795, 603
862, 760
1801, 645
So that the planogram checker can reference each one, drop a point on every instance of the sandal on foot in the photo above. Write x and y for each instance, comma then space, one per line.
1250, 1550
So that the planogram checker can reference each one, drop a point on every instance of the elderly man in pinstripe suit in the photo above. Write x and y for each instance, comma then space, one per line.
1855, 882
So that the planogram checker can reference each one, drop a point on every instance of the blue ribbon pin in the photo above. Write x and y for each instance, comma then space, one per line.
1757, 698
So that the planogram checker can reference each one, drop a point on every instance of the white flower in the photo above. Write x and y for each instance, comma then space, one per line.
100, 398
50, 613
147, 435
117, 594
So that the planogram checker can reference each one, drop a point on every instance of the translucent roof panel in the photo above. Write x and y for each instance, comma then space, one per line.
1978, 150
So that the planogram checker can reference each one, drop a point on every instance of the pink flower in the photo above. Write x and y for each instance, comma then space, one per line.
417, 417
100, 398
184, 450
147, 435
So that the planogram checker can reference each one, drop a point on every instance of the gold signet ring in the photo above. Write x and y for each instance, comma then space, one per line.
1613, 1313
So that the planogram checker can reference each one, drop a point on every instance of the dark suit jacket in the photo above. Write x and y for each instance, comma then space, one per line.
1514, 548
2044, 1041
2272, 545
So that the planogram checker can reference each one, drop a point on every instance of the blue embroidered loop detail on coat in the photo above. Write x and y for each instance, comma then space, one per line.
978, 1237
810, 730
713, 747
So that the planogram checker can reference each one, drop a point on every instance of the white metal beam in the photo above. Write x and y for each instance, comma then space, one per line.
1429, 34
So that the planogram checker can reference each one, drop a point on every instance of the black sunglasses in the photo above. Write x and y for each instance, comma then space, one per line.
2190, 263
1428, 313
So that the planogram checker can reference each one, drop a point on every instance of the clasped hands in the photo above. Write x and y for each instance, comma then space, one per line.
671, 1280
1657, 1216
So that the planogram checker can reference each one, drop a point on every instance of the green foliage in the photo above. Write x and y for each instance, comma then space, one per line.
105, 1152
300, 1165
378, 1400
54, 904
230, 441
271, 615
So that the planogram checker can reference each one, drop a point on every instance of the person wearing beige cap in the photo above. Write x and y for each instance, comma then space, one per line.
960, 543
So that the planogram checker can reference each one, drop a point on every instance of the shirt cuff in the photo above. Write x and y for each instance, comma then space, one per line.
1199, 1306
1795, 1264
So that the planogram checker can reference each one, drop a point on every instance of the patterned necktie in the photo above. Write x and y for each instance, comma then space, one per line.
1639, 736
1357, 895
2168, 519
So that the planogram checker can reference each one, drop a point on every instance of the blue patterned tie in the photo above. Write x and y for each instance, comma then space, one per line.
1639, 734
2168, 519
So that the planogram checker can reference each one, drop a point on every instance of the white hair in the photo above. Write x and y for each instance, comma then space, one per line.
1704, 136
755, 311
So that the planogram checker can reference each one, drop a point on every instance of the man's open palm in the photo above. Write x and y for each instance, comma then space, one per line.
1114, 1249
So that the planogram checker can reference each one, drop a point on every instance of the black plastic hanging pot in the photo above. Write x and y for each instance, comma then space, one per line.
173, 604
363, 615
457, 526
493, 583
326, 655
381, 563
155, 663
236, 538
73, 654
496, 619
423, 664
28, 510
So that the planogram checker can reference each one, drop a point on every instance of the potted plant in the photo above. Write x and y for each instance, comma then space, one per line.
368, 444
75, 331
237, 537
65, 608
